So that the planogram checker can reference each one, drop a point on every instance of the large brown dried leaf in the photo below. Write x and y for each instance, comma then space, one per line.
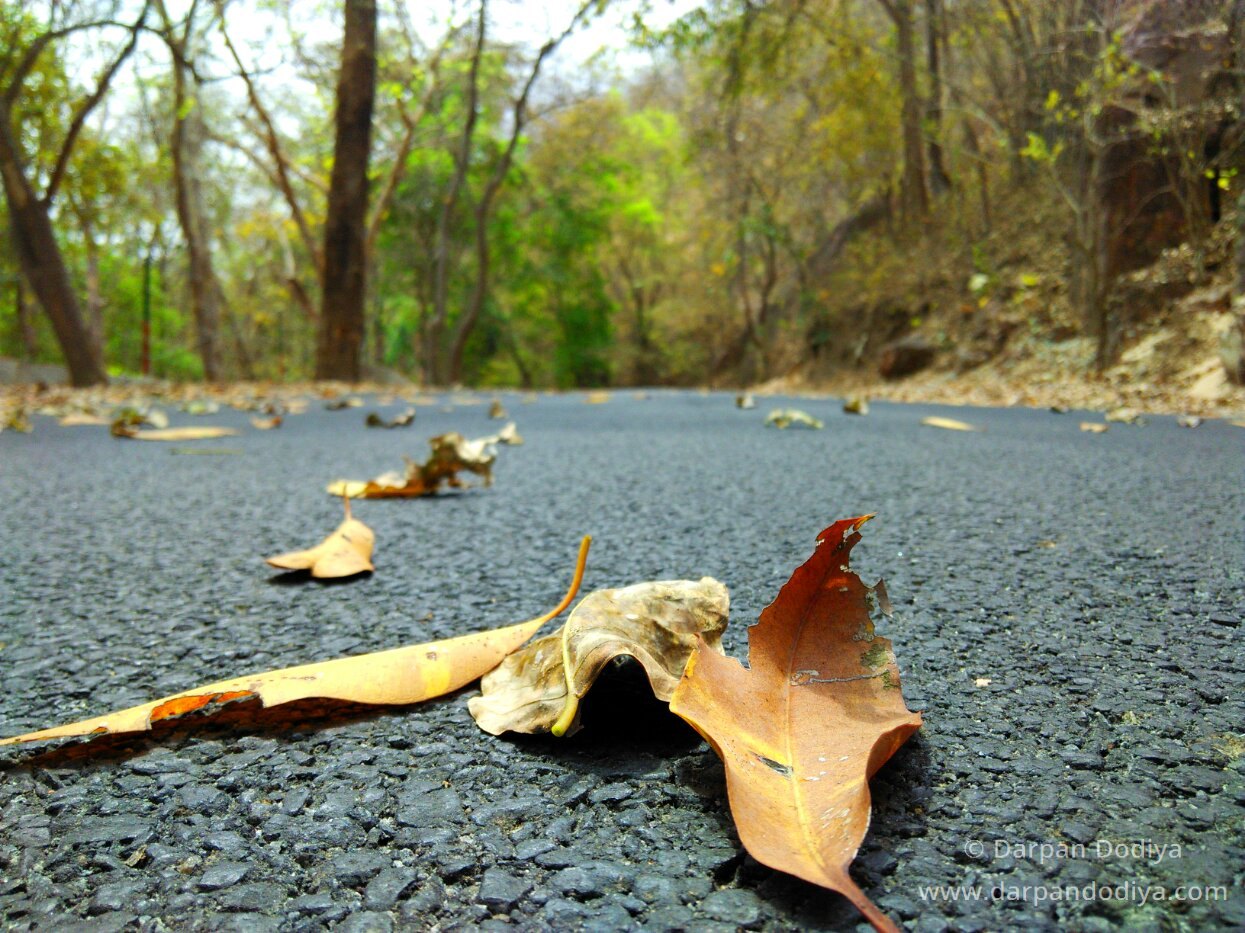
538, 688
395, 677
801, 730
344, 553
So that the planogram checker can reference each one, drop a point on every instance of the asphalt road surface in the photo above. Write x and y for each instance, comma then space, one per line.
1068, 615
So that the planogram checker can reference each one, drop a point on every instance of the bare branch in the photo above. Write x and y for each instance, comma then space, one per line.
272, 143
79, 119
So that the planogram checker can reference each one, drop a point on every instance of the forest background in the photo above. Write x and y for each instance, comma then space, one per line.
804, 190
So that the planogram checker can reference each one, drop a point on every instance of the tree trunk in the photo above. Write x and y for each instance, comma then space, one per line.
25, 323
915, 195
187, 145
42, 263
339, 349
434, 333
939, 180
94, 294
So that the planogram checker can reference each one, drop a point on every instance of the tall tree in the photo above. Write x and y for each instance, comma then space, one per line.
186, 143
340, 345
913, 186
30, 213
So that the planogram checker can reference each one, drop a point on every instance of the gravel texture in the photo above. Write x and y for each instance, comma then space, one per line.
1068, 615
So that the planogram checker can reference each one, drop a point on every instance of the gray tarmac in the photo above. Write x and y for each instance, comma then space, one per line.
1068, 615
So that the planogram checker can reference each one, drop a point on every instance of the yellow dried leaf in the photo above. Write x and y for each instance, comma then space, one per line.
948, 424
176, 434
344, 553
394, 677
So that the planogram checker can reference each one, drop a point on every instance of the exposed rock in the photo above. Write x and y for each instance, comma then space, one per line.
906, 356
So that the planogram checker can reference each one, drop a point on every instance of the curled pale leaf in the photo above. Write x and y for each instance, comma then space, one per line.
793, 417
800, 730
394, 677
538, 689
266, 424
344, 553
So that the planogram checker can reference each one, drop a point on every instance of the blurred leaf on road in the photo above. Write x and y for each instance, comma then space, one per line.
793, 417
802, 729
376, 420
538, 688
172, 434
948, 424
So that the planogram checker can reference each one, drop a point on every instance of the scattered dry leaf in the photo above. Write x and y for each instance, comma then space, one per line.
948, 424
496, 409
201, 407
77, 419
173, 434
982, 681
793, 417
1094, 427
538, 688
800, 731
599, 397
15, 419
374, 420
1188, 421
1125, 415
856, 405
340, 404
344, 553
126, 421
745, 400
509, 434
451, 454
394, 677
266, 424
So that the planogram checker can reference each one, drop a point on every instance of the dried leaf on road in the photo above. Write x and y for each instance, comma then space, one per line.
538, 689
598, 397
394, 677
1188, 421
948, 424
341, 404
127, 421
793, 417
856, 405
75, 419
451, 454
344, 553
800, 730
1094, 427
496, 410
15, 419
266, 424
1125, 415
173, 434
375, 420
745, 401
